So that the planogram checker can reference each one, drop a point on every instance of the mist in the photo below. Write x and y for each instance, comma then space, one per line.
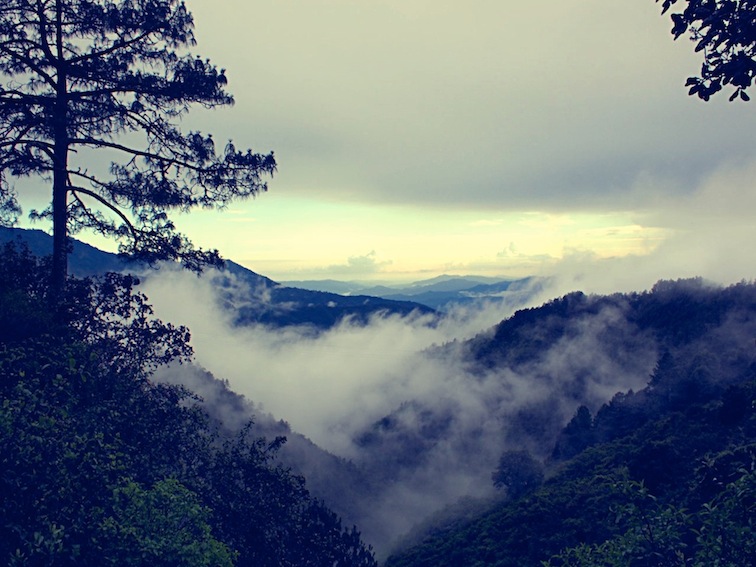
326, 384
401, 400
424, 424
448, 420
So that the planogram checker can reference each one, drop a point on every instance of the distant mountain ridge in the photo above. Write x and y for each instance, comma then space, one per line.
439, 293
282, 306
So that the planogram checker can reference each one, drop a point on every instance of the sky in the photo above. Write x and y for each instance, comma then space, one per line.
417, 137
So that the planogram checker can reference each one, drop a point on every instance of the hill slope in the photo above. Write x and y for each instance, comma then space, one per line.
102, 465
265, 301
651, 475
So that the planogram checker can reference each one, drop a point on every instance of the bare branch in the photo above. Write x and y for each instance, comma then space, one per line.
33, 66
75, 189
35, 143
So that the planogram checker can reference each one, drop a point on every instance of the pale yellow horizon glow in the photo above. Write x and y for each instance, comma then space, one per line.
290, 238
422, 138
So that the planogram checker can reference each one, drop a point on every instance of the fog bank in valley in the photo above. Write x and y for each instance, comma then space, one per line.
426, 424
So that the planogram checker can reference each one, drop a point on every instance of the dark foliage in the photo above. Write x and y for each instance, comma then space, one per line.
662, 476
101, 466
519, 339
683, 462
674, 313
106, 315
725, 32
578, 435
518, 472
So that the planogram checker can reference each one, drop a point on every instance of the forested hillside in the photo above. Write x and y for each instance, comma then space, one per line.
512, 390
97, 456
662, 476
99, 465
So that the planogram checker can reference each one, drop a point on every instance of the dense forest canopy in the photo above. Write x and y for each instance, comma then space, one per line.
662, 476
101, 466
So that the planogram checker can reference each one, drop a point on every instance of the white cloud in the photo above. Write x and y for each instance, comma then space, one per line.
359, 265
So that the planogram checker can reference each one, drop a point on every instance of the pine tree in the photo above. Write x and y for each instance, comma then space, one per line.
87, 82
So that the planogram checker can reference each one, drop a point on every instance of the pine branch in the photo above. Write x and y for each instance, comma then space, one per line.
75, 189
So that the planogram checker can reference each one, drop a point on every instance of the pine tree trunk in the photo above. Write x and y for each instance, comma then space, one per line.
60, 166
60, 222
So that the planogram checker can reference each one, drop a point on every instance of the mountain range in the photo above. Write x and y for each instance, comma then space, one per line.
601, 402
317, 303
262, 300
441, 293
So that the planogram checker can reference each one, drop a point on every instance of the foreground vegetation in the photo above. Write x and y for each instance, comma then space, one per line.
101, 466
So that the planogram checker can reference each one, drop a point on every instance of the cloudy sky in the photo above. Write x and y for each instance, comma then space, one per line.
420, 137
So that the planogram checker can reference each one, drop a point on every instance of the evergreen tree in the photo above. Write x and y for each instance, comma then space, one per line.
518, 472
83, 82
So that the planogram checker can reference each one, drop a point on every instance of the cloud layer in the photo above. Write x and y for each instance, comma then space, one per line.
546, 106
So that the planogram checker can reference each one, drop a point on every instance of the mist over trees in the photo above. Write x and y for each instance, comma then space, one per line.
704, 336
512, 388
660, 476
84, 83
102, 464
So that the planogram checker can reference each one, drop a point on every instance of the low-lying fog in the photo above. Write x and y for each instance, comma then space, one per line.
332, 386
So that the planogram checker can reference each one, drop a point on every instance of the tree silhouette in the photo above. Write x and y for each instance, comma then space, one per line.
89, 82
725, 31
518, 472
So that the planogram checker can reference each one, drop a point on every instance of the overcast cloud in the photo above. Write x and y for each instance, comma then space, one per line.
416, 138
551, 105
